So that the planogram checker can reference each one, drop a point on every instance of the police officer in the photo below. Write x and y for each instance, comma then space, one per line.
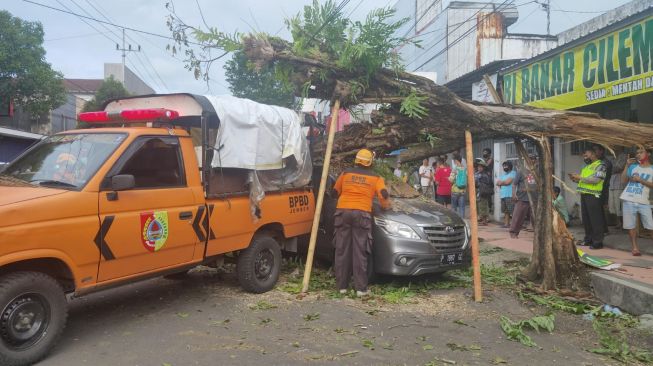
356, 190
590, 186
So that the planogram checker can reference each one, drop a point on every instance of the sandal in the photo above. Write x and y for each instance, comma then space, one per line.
636, 253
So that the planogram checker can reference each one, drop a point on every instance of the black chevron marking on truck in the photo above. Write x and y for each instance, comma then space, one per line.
207, 226
196, 223
99, 240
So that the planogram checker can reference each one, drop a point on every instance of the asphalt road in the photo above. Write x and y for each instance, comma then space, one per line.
208, 320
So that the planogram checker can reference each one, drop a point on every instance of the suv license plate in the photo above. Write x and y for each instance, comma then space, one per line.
452, 258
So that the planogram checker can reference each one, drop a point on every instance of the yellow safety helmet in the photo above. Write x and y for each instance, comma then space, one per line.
66, 158
364, 157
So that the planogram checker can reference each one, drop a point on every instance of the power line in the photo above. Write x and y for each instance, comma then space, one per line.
465, 34
337, 10
104, 22
83, 20
147, 59
89, 14
447, 35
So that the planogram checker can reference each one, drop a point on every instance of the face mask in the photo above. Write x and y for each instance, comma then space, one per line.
644, 159
587, 160
506, 170
486, 155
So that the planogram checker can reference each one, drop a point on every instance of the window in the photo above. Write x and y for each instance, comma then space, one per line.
66, 161
155, 162
425, 12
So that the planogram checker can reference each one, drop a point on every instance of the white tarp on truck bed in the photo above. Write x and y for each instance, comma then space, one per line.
256, 136
267, 140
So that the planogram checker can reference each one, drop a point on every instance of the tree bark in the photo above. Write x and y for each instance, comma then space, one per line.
554, 260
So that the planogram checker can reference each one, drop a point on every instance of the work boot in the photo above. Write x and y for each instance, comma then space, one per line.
343, 291
362, 293
596, 246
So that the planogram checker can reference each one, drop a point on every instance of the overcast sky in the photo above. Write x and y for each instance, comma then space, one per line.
79, 51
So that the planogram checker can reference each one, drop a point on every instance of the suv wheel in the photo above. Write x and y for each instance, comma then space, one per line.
34, 312
259, 265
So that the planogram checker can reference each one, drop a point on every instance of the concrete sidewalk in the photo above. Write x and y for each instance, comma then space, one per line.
630, 288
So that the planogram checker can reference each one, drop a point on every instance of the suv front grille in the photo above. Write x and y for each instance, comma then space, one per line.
446, 237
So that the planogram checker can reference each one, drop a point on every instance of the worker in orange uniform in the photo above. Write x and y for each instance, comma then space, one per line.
353, 221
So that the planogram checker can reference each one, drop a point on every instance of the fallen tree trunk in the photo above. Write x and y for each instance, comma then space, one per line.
554, 260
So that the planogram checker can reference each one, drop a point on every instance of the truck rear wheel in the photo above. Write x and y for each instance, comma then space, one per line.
34, 312
259, 265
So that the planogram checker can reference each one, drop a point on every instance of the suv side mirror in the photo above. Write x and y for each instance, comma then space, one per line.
122, 182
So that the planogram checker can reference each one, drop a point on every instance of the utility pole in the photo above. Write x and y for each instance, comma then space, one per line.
124, 52
546, 6
548, 18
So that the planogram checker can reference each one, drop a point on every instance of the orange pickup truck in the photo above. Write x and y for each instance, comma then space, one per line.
93, 208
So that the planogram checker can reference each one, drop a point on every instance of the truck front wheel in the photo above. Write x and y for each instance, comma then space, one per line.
259, 265
34, 312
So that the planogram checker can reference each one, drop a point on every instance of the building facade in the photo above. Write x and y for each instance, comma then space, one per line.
602, 66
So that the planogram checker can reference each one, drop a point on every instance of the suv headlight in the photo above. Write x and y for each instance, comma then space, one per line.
397, 229
468, 233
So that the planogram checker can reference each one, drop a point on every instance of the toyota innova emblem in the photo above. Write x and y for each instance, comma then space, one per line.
449, 229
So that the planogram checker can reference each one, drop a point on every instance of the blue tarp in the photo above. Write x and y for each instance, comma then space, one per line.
396, 152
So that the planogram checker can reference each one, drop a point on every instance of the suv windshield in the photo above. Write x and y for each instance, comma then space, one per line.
64, 161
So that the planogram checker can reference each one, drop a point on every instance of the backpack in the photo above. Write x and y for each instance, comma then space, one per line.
461, 179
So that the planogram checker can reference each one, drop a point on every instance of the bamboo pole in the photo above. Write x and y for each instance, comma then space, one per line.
320, 196
473, 217
492, 89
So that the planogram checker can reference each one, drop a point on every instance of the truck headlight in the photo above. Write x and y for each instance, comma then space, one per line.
397, 229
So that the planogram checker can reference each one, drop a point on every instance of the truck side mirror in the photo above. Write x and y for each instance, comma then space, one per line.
122, 182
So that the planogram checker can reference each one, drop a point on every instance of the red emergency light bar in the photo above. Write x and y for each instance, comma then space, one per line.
129, 115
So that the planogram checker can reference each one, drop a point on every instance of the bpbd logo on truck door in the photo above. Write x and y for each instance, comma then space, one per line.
154, 226
299, 203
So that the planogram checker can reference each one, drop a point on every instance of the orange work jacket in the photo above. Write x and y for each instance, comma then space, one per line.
357, 187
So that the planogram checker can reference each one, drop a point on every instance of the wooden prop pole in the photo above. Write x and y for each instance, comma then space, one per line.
320, 196
473, 217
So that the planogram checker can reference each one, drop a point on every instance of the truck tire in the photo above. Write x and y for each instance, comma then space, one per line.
34, 312
259, 265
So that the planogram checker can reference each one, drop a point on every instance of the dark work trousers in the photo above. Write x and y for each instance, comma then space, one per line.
353, 242
591, 208
519, 213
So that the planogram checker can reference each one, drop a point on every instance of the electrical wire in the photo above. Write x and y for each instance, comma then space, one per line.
465, 34
102, 21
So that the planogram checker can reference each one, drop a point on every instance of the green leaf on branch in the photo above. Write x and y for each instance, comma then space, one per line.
412, 106
515, 331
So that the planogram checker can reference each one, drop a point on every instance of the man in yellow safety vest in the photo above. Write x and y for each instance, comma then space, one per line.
590, 185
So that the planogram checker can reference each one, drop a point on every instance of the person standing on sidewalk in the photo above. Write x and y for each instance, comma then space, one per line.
484, 190
458, 179
426, 178
590, 186
356, 190
616, 188
505, 192
600, 154
523, 184
639, 176
441, 179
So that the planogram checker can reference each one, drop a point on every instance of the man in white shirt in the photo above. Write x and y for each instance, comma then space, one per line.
635, 197
425, 178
